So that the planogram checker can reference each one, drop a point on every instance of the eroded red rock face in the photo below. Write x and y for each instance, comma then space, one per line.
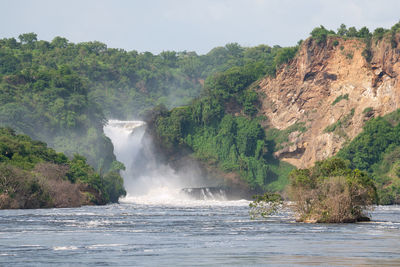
307, 91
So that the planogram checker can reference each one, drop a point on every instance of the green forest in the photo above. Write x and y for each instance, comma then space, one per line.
35, 176
63, 93
376, 150
222, 127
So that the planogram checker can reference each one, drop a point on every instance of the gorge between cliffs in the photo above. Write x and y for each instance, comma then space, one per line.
114, 157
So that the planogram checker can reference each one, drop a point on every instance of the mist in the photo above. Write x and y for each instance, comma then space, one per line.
147, 177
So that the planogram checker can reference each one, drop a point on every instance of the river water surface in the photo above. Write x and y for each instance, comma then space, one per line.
191, 233
155, 225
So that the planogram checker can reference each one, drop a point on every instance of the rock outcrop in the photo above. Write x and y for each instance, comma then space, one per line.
333, 90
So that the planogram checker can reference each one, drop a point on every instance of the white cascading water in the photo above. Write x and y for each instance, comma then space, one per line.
147, 181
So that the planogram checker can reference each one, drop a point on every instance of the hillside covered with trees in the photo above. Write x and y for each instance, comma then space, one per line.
63, 93
35, 176
224, 127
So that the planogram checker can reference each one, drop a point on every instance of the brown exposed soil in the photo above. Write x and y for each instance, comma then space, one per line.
306, 88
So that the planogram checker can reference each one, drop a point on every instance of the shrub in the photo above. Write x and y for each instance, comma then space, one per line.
330, 192
335, 43
114, 186
339, 98
285, 55
320, 34
379, 33
367, 52
349, 55
367, 110
21, 189
341, 123
265, 205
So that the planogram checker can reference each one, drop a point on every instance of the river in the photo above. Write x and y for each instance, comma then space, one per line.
196, 233
157, 225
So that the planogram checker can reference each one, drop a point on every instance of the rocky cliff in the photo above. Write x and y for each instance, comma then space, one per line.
332, 90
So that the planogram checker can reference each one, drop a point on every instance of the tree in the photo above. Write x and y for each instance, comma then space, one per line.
59, 42
28, 38
364, 33
342, 31
234, 50
286, 54
352, 32
320, 34
170, 58
379, 33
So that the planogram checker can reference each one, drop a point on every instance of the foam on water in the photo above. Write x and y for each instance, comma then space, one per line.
165, 199
207, 235
65, 248
173, 196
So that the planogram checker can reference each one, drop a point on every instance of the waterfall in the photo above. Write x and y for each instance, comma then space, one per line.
146, 180
126, 137
206, 193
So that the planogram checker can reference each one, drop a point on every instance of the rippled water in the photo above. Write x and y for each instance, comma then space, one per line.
187, 234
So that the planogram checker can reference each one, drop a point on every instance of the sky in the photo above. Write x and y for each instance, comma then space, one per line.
179, 25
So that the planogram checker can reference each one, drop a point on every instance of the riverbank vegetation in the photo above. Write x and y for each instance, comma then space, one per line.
221, 127
365, 172
376, 150
35, 176
331, 192
328, 192
62, 93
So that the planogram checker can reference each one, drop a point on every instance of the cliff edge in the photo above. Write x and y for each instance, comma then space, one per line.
331, 89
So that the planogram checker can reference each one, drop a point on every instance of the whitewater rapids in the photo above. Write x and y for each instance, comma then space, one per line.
148, 181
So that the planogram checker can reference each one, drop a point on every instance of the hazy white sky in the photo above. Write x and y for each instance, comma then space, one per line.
192, 25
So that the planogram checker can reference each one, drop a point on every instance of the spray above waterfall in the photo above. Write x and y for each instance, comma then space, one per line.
146, 179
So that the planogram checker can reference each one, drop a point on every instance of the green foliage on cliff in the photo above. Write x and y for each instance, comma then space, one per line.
320, 34
33, 175
220, 129
126, 83
285, 55
61, 93
340, 98
338, 126
376, 150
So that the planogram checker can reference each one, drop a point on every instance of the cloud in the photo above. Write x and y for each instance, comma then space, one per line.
157, 25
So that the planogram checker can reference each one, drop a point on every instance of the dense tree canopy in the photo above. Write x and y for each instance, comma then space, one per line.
221, 129
63, 93
376, 150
